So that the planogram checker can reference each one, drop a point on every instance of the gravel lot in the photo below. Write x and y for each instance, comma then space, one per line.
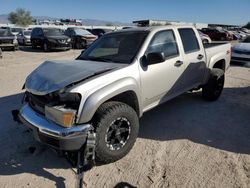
185, 142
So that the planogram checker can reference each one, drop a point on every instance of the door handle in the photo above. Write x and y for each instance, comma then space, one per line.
200, 56
178, 63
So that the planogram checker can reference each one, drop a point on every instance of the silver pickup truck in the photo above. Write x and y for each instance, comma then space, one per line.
111, 84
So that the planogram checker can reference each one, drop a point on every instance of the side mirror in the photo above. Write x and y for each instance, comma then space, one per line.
154, 58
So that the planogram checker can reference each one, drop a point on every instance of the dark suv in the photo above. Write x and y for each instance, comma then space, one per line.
216, 34
50, 38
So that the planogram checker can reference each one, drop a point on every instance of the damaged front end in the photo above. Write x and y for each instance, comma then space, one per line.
60, 108
50, 110
52, 118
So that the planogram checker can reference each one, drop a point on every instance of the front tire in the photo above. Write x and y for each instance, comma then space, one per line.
117, 127
77, 45
212, 90
33, 46
45, 47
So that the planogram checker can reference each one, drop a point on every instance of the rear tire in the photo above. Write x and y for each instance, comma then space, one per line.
77, 45
212, 90
117, 127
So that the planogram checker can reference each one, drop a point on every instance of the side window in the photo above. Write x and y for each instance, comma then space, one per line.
189, 40
164, 41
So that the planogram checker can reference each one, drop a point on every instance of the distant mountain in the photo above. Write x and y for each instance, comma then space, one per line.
89, 22
4, 19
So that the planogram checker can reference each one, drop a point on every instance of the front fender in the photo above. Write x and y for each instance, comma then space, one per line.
97, 98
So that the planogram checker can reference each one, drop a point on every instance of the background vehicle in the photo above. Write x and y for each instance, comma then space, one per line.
242, 34
50, 38
99, 32
80, 38
15, 30
230, 35
236, 35
114, 81
205, 38
8, 40
241, 51
216, 34
23, 37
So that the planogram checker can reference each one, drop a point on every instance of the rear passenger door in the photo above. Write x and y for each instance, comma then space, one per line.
193, 57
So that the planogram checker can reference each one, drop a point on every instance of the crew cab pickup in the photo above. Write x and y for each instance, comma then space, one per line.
113, 82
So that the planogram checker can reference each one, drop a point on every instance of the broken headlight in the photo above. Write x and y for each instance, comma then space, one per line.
60, 115
64, 110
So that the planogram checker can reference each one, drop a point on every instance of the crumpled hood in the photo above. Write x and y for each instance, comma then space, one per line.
55, 75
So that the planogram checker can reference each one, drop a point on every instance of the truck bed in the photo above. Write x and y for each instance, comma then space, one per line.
214, 50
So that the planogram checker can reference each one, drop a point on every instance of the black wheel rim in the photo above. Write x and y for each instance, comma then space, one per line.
117, 134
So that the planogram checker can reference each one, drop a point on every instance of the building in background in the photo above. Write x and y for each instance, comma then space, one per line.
145, 23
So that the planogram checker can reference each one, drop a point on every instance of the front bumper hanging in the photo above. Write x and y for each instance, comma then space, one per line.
47, 132
79, 138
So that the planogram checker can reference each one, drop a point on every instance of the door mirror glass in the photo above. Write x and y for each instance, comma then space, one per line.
154, 58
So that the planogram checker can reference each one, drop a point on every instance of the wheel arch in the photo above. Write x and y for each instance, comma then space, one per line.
124, 90
221, 64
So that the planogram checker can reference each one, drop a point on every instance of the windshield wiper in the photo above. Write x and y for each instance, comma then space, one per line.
97, 59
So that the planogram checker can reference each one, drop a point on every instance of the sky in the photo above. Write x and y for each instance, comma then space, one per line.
201, 11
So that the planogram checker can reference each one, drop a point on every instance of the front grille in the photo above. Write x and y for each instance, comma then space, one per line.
63, 41
37, 102
242, 52
240, 58
6, 41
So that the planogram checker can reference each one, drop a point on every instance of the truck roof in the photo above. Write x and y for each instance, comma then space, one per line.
152, 28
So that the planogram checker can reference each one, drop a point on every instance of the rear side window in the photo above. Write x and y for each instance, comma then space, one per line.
189, 40
164, 41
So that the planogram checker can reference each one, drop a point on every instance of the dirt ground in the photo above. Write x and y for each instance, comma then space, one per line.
186, 142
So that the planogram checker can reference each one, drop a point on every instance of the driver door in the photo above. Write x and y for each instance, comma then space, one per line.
159, 81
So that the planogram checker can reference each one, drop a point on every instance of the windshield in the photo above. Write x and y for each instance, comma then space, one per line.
52, 32
247, 40
82, 32
27, 33
4, 32
115, 47
16, 30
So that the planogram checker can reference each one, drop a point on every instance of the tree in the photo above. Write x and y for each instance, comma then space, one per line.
247, 25
20, 17
109, 24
